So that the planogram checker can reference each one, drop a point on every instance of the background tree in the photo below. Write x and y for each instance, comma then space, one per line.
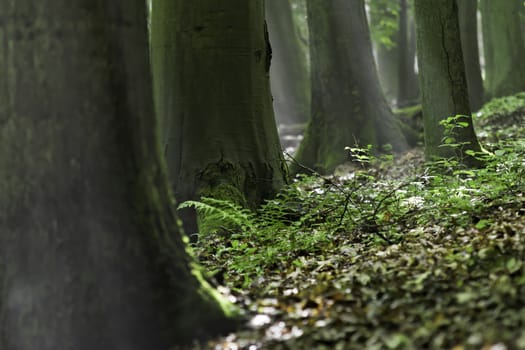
225, 143
289, 78
90, 252
384, 29
408, 90
442, 75
503, 46
468, 26
393, 33
348, 106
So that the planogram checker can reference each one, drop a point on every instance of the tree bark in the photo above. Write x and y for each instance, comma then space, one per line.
91, 256
224, 141
503, 46
442, 76
290, 83
408, 85
468, 25
348, 106
162, 53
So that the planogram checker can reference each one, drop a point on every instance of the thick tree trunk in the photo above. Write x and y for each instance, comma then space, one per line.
90, 252
504, 47
522, 19
224, 141
348, 106
162, 48
468, 25
442, 76
289, 78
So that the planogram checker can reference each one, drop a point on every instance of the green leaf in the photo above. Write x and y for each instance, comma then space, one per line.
513, 265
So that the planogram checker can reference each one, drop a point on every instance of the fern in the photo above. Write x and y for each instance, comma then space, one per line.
217, 214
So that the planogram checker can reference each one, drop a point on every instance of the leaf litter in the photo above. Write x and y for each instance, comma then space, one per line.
449, 273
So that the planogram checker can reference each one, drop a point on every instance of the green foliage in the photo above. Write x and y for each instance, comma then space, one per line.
384, 23
390, 253
453, 126
307, 216
497, 120
220, 216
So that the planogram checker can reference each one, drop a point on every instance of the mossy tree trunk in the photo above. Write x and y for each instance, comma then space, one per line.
503, 46
442, 76
348, 106
162, 49
522, 19
91, 256
468, 25
223, 142
289, 79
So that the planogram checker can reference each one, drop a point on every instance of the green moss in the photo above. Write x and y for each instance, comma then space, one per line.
226, 191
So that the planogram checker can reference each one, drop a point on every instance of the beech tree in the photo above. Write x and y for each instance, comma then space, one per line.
91, 256
214, 75
503, 46
348, 106
408, 90
442, 76
289, 79
393, 33
468, 25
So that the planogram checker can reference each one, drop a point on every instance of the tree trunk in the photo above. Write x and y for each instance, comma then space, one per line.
162, 49
468, 25
348, 106
91, 256
385, 44
225, 143
288, 73
504, 47
408, 89
442, 76
522, 19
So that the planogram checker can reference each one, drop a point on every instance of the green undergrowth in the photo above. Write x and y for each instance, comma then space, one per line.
386, 254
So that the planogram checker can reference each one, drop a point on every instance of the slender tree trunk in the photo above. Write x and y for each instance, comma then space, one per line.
504, 47
468, 25
289, 78
387, 54
442, 76
348, 106
408, 85
91, 256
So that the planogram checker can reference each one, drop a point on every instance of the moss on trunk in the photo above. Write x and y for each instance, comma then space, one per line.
223, 130
91, 253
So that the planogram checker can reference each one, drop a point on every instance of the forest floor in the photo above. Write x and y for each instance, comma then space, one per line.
389, 253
